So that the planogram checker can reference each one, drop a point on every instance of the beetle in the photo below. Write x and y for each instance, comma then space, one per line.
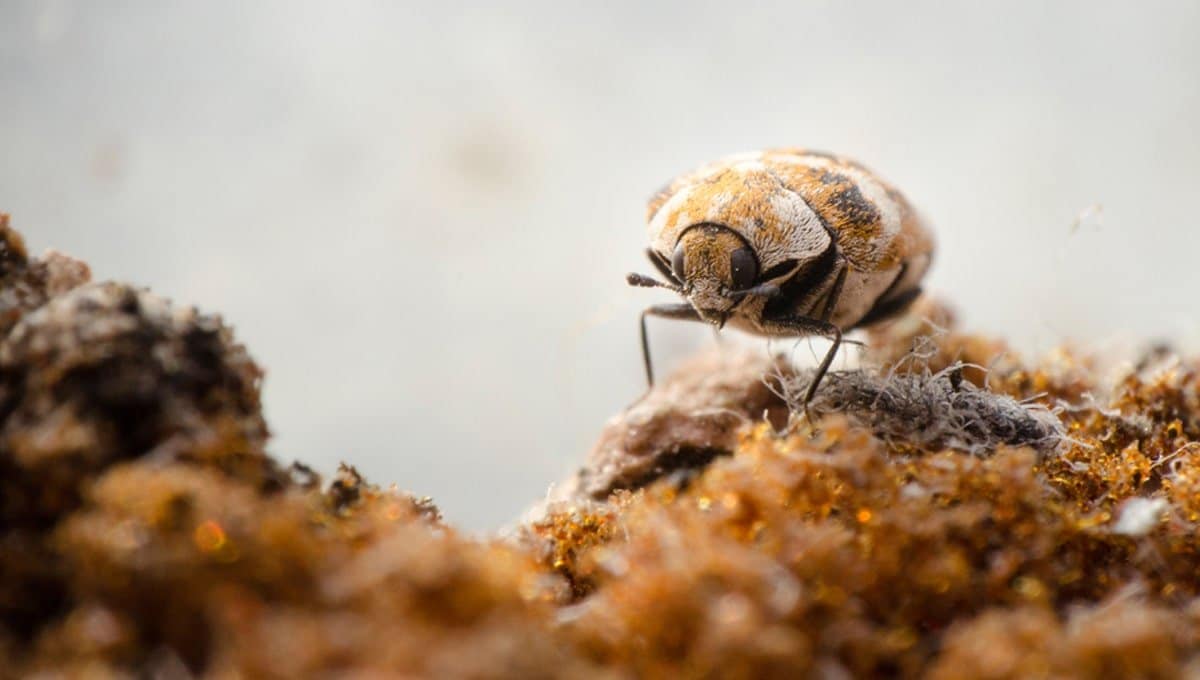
784, 242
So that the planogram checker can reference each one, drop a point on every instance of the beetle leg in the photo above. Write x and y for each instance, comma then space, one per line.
803, 325
823, 368
807, 326
835, 293
888, 308
681, 311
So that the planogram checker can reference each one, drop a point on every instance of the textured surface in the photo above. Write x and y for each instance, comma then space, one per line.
682, 424
144, 531
406, 207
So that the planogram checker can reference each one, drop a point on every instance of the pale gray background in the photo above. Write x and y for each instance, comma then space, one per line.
418, 216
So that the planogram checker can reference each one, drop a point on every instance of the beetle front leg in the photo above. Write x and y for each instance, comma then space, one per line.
835, 293
806, 326
672, 311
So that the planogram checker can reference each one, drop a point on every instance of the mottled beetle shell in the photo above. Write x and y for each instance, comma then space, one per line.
794, 204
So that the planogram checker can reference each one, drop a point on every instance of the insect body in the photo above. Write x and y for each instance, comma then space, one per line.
784, 242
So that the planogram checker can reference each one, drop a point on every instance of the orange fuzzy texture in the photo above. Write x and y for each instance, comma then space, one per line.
740, 190
144, 530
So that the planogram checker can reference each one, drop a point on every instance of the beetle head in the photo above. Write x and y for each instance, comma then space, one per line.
716, 268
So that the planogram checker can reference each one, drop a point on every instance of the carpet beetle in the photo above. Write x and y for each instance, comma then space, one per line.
784, 242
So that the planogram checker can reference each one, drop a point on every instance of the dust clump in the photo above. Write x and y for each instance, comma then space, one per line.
934, 411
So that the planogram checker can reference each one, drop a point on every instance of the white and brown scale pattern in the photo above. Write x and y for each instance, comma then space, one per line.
788, 204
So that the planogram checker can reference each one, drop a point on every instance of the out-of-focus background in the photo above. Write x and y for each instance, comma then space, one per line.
418, 215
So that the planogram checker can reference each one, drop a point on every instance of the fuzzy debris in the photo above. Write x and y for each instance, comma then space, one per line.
934, 411
1139, 516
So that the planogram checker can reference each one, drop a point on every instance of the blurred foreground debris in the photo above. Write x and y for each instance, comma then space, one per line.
1001, 519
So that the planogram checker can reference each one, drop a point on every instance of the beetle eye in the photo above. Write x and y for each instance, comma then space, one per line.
677, 262
743, 268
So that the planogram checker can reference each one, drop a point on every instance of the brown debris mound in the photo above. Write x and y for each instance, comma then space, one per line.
681, 425
27, 283
144, 531
106, 372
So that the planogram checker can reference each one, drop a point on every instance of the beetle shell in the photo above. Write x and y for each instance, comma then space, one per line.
790, 204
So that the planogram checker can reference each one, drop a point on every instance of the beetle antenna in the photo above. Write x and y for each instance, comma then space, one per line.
644, 281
